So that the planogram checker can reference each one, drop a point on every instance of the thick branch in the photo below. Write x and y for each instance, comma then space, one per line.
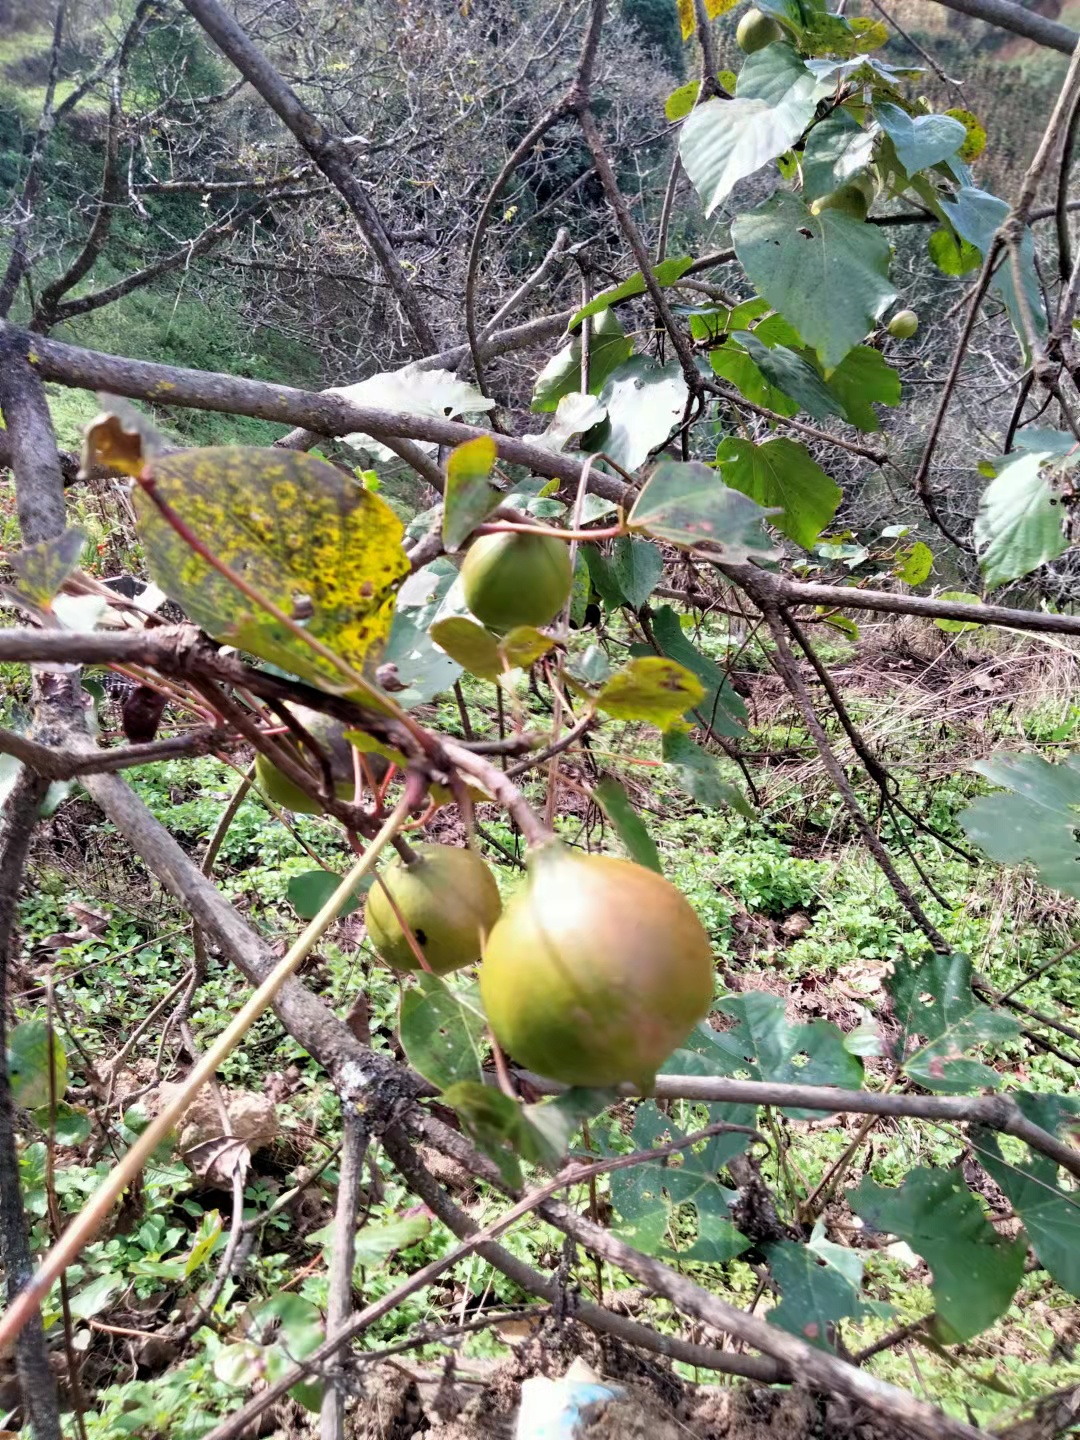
1021, 21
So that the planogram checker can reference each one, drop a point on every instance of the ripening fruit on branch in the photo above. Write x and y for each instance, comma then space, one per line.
903, 325
449, 900
597, 971
851, 199
756, 30
330, 734
516, 579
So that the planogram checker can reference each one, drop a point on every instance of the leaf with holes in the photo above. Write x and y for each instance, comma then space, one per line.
645, 1196
650, 688
1037, 822
827, 274
469, 497
688, 503
975, 1270
629, 826
781, 476
638, 565
442, 1031
43, 568
724, 141
766, 1044
320, 547
814, 1295
1019, 523
940, 1019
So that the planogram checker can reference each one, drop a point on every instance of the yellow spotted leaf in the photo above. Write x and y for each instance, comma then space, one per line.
870, 34
686, 18
975, 142
120, 439
651, 688
306, 537
43, 568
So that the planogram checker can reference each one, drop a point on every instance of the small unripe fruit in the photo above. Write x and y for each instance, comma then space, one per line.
330, 734
597, 971
850, 199
516, 579
756, 30
903, 325
449, 900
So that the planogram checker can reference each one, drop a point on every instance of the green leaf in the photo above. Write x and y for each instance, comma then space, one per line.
615, 803
827, 274
916, 565
468, 497
975, 1270
666, 273
962, 597
645, 1196
724, 141
681, 101
72, 1124
1018, 525
863, 379
42, 568
466, 641
695, 769
772, 1049
976, 216
434, 393
644, 401
952, 255
638, 565
837, 149
424, 669
504, 1129
722, 709
375, 1243
521, 647
920, 140
442, 1032
602, 574
780, 475
297, 529
206, 1238
732, 363
793, 376
814, 1295
95, 1297
939, 1019
651, 688
608, 348
1051, 1215
1037, 822
689, 504
308, 892
559, 1119
29, 1048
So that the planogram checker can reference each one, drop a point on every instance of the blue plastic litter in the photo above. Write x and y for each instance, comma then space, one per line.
557, 1409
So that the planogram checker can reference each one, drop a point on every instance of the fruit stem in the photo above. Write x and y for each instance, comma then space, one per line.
405, 850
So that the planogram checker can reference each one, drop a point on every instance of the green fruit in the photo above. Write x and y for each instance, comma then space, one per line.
756, 30
596, 972
903, 324
330, 734
850, 199
449, 900
516, 579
